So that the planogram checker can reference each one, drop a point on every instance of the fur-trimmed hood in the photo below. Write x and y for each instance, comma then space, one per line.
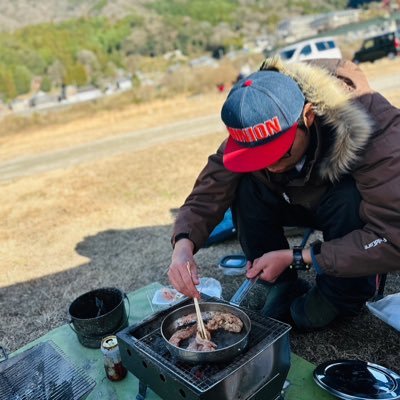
334, 104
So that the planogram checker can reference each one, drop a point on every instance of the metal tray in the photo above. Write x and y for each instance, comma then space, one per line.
43, 372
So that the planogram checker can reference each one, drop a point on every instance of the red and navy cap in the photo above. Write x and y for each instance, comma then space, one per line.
261, 114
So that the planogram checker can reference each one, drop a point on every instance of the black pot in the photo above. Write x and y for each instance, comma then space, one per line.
97, 314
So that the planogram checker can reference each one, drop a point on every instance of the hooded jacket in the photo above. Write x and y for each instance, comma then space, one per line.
358, 133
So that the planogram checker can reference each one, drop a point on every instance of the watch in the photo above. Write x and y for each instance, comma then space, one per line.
298, 262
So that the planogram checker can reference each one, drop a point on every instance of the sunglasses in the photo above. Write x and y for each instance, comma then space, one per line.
288, 153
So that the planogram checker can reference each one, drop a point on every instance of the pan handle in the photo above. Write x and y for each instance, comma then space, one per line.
247, 285
243, 290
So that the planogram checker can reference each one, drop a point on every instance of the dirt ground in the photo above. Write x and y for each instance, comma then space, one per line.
108, 222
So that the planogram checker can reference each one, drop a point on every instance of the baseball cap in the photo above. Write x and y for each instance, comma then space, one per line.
261, 114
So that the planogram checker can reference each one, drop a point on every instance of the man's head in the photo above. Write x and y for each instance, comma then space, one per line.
261, 113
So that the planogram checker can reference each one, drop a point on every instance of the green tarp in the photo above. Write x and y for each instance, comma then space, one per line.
300, 382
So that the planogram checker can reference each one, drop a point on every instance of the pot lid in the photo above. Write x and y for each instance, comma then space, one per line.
357, 380
233, 261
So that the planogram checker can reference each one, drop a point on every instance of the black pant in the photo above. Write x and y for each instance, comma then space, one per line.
260, 216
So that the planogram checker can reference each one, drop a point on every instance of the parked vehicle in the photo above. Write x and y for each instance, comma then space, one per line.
323, 47
379, 46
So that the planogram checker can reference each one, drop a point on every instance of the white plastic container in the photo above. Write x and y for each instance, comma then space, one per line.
233, 264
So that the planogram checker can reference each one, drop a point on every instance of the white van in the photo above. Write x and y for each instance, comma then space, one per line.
323, 47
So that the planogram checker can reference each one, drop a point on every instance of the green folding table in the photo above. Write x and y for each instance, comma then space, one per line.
300, 383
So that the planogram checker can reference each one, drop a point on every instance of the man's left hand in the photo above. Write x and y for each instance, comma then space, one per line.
271, 265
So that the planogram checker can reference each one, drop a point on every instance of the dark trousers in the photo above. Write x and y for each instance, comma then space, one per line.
260, 216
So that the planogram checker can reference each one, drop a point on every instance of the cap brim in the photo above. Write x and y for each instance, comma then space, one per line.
248, 159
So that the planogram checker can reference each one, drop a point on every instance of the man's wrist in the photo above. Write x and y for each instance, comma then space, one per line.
177, 237
184, 244
306, 253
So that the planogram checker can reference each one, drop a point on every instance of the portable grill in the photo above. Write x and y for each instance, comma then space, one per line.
257, 373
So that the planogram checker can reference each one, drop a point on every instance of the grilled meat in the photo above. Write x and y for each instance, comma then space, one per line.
200, 344
227, 321
182, 334
191, 318
216, 320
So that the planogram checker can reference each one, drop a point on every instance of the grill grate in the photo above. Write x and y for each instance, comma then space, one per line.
264, 332
43, 373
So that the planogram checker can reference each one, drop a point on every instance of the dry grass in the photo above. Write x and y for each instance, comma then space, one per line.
58, 209
72, 128
67, 231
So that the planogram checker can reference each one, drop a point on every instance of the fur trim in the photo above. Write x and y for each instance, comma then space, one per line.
334, 105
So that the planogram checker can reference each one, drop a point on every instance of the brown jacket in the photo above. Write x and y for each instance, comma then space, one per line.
363, 132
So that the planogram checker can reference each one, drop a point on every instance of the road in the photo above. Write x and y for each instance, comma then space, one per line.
127, 142
131, 142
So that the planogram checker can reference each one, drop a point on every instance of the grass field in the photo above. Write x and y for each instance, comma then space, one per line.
108, 222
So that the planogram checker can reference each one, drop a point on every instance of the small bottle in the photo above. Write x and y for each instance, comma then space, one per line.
115, 371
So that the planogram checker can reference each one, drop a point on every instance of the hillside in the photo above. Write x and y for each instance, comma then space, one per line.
18, 13
51, 44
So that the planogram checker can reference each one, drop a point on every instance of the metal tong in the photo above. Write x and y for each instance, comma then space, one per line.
248, 284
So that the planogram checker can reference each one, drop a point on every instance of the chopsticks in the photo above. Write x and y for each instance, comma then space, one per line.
202, 328
200, 324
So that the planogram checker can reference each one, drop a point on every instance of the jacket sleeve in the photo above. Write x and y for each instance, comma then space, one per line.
376, 247
206, 205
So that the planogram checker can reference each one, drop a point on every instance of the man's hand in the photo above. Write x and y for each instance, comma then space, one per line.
271, 265
179, 276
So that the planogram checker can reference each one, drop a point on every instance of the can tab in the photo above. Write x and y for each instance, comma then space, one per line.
109, 342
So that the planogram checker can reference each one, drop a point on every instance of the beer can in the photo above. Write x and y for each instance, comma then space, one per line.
115, 371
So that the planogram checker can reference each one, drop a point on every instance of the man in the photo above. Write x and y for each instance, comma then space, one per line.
309, 145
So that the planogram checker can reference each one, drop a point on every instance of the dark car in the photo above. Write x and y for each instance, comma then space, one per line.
380, 46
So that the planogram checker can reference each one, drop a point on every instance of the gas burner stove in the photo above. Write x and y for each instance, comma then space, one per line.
257, 373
